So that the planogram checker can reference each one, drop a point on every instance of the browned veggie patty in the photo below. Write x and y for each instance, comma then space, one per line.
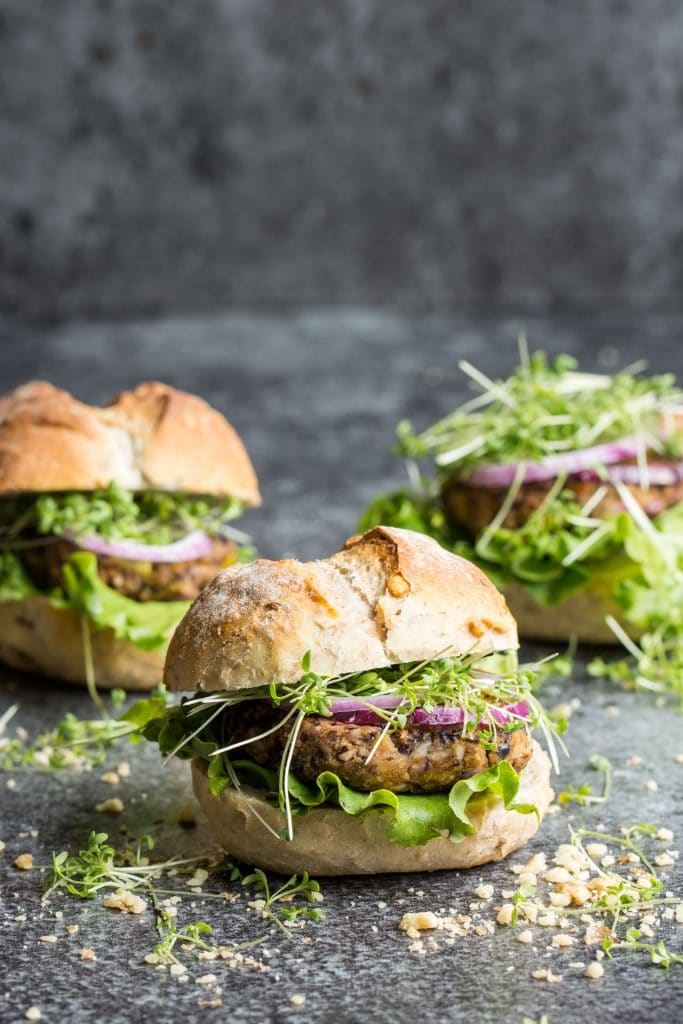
475, 507
416, 759
143, 581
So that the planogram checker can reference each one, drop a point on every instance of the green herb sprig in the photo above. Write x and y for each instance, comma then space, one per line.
583, 795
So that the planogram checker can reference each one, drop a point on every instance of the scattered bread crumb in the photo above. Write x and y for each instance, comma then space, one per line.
111, 778
24, 861
527, 936
50, 939
483, 891
595, 970
88, 954
123, 769
422, 921
114, 805
125, 901
33, 1013
297, 1000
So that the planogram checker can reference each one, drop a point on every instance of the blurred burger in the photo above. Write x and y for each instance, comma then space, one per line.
566, 488
358, 714
112, 520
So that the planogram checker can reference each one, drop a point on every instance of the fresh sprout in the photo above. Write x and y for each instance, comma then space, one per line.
279, 905
583, 794
73, 743
542, 409
100, 868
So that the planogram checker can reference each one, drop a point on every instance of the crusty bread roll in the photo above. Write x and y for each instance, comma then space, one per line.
152, 438
36, 637
581, 615
327, 841
389, 596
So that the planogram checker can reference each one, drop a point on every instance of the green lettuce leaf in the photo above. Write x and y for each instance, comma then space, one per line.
147, 624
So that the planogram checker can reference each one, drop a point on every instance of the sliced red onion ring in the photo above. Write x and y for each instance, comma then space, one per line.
502, 474
659, 474
194, 545
362, 715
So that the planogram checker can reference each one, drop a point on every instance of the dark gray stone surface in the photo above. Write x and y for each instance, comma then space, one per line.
224, 153
316, 397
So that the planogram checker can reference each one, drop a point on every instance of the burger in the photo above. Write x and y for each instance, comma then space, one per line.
112, 520
566, 488
359, 714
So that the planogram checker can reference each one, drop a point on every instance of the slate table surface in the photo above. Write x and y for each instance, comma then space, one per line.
316, 396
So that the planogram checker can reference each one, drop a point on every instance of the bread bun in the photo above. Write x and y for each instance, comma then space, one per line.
581, 615
36, 637
389, 596
327, 841
151, 438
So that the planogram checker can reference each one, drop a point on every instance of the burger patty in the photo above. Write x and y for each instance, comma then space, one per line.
143, 581
415, 759
475, 507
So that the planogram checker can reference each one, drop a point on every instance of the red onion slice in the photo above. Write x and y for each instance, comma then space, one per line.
502, 474
354, 713
659, 474
194, 545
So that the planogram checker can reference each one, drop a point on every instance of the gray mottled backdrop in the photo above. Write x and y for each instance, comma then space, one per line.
160, 156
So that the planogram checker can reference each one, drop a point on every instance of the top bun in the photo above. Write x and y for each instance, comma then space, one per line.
389, 596
151, 438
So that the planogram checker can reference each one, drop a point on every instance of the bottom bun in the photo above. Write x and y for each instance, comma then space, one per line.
581, 615
329, 842
37, 637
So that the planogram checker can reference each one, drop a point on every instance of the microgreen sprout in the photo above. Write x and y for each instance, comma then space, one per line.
73, 743
583, 794
278, 905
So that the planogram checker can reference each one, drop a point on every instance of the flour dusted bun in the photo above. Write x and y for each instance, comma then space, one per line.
389, 596
36, 637
581, 615
151, 438
327, 841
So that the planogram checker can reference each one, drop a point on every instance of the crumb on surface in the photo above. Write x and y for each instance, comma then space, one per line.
88, 954
297, 1000
114, 805
111, 778
33, 1013
24, 862
125, 901
595, 970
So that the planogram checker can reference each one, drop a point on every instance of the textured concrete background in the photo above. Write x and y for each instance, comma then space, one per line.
241, 153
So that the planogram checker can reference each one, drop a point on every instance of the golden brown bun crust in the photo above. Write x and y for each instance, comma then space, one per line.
327, 841
151, 438
389, 596
581, 615
35, 637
